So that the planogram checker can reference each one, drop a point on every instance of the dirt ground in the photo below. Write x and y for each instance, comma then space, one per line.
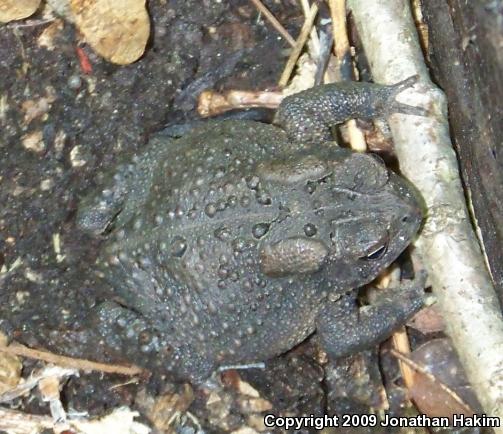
62, 129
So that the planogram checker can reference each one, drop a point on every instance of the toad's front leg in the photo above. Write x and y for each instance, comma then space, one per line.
345, 329
307, 116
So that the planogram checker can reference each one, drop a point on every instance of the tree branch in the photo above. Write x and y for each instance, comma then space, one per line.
447, 243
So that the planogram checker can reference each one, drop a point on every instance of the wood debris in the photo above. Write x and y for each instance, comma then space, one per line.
121, 420
81, 364
211, 103
36, 377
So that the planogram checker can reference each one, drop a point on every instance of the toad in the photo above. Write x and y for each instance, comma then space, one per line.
235, 242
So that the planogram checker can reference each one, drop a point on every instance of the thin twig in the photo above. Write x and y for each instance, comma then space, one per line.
70, 362
16, 422
339, 28
306, 7
343, 54
400, 340
212, 103
30, 23
447, 243
401, 343
274, 22
299, 45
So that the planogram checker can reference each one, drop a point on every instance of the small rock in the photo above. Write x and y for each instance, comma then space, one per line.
76, 157
46, 184
34, 142
255, 405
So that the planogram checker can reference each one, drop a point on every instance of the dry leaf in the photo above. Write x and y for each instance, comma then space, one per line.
167, 406
10, 368
121, 420
34, 379
49, 388
117, 30
428, 320
433, 400
449, 393
11, 10
232, 379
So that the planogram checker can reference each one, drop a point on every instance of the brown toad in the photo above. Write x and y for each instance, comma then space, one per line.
237, 241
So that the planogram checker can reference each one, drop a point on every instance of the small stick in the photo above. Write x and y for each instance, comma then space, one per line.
16, 422
80, 364
401, 343
342, 52
299, 45
211, 103
313, 34
275, 23
400, 340
338, 15
30, 23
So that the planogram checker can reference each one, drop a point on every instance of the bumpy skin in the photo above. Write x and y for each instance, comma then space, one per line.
235, 242
307, 116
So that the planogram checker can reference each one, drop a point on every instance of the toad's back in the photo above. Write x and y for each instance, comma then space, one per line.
185, 251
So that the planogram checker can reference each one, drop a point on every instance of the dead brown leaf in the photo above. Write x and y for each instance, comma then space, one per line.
163, 410
435, 401
49, 388
446, 390
11, 10
10, 369
428, 320
231, 378
117, 30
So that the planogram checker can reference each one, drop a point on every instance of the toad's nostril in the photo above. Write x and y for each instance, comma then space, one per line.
418, 213
412, 215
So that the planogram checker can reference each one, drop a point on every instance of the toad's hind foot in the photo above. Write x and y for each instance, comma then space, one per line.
394, 106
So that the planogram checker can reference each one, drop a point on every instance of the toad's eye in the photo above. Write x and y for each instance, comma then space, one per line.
376, 253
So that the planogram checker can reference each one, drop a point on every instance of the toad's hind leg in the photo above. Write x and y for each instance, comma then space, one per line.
346, 329
124, 191
308, 116
113, 333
